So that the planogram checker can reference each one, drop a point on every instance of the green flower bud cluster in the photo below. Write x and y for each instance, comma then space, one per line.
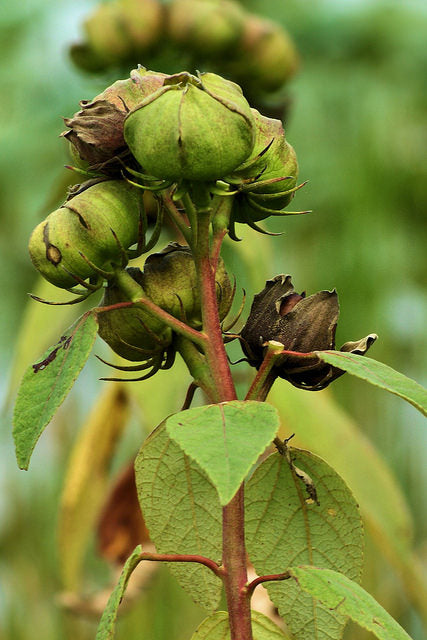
179, 127
89, 233
255, 52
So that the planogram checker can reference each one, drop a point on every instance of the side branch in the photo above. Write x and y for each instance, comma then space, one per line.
249, 588
178, 557
176, 325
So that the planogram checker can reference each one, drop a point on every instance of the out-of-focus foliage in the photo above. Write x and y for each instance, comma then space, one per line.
357, 121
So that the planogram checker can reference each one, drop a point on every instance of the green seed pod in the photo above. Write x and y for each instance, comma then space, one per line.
96, 131
131, 333
85, 224
265, 57
209, 28
169, 279
193, 128
272, 158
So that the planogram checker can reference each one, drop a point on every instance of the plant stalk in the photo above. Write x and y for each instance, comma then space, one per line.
233, 539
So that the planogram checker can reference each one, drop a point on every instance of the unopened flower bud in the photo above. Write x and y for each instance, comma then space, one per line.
209, 28
96, 131
131, 332
193, 128
100, 222
302, 325
169, 279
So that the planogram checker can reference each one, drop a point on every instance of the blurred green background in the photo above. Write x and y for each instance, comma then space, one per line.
357, 119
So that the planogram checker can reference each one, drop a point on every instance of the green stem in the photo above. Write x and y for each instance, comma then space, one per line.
176, 218
220, 223
191, 212
196, 364
266, 375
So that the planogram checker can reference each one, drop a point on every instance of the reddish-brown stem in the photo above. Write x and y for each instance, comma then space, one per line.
233, 539
177, 325
234, 563
249, 589
216, 356
178, 557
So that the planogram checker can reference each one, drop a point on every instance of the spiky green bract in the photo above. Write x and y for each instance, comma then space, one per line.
272, 158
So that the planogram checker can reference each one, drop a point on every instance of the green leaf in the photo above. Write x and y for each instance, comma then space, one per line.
380, 375
107, 623
182, 513
225, 439
327, 430
216, 628
339, 593
46, 383
285, 526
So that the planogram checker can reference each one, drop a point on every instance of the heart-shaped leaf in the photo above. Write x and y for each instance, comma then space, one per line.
225, 439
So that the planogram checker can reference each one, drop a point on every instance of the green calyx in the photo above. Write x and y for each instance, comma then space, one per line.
131, 332
266, 181
88, 234
169, 279
192, 128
